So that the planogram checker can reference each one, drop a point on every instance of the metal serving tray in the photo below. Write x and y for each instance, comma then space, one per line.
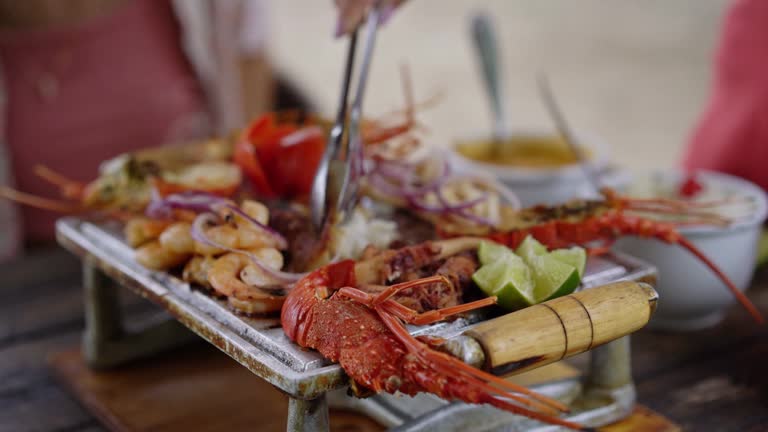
259, 344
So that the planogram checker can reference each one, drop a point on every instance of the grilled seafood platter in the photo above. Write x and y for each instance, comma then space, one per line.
423, 245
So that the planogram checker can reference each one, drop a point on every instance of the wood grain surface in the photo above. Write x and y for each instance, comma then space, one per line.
201, 389
197, 388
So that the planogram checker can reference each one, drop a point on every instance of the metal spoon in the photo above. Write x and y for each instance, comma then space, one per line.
485, 43
545, 91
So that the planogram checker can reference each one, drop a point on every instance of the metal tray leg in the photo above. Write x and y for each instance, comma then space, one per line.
308, 415
106, 342
610, 366
610, 377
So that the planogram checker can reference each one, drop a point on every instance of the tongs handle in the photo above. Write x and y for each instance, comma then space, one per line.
564, 327
319, 199
354, 161
335, 186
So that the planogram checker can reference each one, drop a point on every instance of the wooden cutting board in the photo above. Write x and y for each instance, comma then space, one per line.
198, 388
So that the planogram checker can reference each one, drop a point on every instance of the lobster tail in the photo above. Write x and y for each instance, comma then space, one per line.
745, 302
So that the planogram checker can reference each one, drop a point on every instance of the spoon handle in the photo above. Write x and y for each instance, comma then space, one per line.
484, 39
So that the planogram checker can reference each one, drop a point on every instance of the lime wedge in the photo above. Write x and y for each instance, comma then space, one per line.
574, 256
509, 279
530, 247
490, 252
551, 277
531, 275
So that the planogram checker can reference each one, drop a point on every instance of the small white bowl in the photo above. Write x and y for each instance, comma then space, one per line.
546, 185
691, 297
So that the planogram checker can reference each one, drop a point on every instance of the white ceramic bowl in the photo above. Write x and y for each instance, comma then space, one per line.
547, 185
691, 297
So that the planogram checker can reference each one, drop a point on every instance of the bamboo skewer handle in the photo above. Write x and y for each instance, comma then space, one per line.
565, 326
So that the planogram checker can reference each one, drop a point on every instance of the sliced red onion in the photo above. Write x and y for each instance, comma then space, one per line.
434, 183
397, 180
403, 174
157, 209
390, 172
443, 208
384, 185
205, 202
394, 169
199, 235
197, 201
463, 212
494, 184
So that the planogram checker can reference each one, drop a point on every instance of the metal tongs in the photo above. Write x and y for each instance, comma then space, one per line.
336, 184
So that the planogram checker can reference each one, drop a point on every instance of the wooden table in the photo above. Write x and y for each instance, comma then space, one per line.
713, 380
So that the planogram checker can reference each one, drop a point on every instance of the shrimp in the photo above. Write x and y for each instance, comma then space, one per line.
254, 209
154, 256
178, 238
196, 270
224, 277
139, 231
247, 236
253, 275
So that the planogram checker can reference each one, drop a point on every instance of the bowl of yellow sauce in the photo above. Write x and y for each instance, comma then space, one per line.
539, 167
522, 152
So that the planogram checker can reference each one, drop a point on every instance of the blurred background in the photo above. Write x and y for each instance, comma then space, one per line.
633, 72
105, 77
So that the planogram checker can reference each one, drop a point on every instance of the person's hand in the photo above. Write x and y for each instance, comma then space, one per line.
352, 13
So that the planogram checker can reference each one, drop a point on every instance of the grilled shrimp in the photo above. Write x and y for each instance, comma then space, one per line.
154, 256
225, 279
141, 230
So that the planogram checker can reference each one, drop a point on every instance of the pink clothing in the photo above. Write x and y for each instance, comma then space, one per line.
732, 135
80, 95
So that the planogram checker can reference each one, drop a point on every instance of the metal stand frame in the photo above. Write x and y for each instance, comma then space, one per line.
310, 416
606, 395
106, 341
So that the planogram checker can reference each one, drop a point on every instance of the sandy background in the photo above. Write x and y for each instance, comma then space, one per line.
634, 73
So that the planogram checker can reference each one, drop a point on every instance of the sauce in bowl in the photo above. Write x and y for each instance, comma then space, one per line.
523, 151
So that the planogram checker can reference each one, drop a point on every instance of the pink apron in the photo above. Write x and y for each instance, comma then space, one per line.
732, 135
80, 95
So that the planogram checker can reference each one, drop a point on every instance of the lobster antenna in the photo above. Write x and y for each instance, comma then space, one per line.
745, 302
38, 202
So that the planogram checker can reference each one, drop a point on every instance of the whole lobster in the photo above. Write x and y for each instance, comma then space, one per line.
580, 222
365, 333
